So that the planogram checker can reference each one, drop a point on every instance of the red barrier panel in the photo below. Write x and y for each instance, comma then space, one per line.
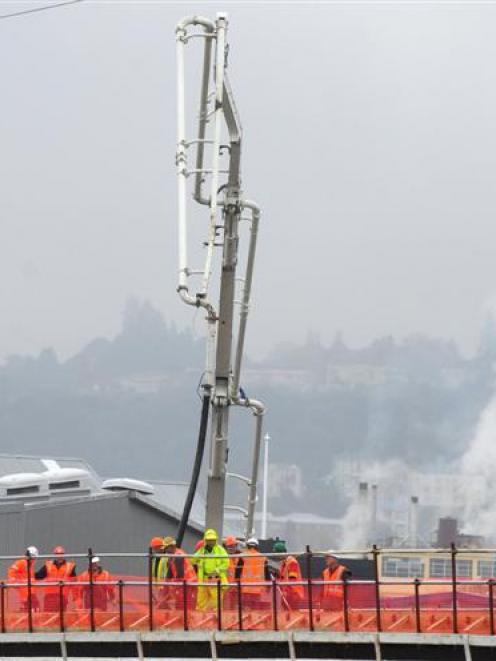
131, 603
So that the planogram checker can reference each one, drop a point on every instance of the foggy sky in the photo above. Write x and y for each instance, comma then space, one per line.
368, 140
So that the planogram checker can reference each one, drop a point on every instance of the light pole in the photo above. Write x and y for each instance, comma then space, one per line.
265, 486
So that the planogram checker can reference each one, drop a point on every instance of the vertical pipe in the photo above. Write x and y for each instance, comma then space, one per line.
92, 595
61, 606
274, 605
219, 605
30, 595
265, 485
2, 605
150, 589
252, 497
185, 605
345, 605
454, 589
240, 605
308, 557
220, 57
181, 162
120, 585
375, 553
491, 606
245, 299
203, 118
416, 584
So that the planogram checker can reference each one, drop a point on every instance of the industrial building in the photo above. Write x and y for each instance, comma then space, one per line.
52, 501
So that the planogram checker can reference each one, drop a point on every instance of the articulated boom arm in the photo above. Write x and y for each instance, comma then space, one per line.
225, 204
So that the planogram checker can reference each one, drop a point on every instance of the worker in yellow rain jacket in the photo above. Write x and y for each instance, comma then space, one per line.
212, 564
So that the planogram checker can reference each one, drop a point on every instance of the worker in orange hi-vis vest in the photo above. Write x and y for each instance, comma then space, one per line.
100, 584
175, 569
292, 596
231, 545
253, 570
18, 573
53, 572
332, 593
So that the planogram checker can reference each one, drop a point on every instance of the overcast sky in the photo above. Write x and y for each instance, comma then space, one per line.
369, 141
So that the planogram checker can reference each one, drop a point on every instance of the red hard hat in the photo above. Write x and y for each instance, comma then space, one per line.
231, 541
199, 545
157, 542
59, 550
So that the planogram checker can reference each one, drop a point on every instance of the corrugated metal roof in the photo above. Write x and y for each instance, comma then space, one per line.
173, 495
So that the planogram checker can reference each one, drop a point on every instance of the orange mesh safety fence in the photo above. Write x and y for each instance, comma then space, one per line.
131, 603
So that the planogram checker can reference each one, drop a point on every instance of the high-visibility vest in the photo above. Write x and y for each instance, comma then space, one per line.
233, 565
164, 565
253, 572
55, 574
101, 593
189, 571
290, 571
336, 574
211, 567
18, 573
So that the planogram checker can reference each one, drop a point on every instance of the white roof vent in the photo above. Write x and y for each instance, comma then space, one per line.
127, 484
67, 479
23, 485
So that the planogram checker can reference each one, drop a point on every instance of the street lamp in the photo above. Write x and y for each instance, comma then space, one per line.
265, 486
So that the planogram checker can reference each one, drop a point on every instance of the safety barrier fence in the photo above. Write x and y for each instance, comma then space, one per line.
140, 603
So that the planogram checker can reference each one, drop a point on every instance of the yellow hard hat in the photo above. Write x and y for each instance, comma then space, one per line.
169, 541
210, 535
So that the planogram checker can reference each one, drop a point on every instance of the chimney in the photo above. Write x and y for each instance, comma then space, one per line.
363, 512
413, 522
373, 514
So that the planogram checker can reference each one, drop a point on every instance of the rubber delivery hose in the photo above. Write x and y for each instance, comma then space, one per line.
200, 448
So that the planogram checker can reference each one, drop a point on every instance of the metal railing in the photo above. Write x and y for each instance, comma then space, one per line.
140, 602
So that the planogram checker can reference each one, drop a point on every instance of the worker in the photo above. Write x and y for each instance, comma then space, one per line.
332, 593
212, 563
253, 569
156, 547
54, 571
289, 571
98, 583
176, 568
18, 572
231, 545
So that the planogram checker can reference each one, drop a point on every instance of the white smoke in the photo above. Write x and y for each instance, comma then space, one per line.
478, 466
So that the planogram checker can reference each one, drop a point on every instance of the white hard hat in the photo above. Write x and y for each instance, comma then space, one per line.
253, 541
32, 551
95, 559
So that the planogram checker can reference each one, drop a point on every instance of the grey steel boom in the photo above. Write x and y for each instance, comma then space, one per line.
226, 204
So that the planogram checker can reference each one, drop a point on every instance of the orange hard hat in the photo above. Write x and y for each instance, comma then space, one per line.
199, 545
59, 550
157, 542
231, 541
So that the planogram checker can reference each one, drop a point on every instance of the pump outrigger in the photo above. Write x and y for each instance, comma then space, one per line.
226, 205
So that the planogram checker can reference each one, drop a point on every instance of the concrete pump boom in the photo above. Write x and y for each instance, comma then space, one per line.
225, 203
